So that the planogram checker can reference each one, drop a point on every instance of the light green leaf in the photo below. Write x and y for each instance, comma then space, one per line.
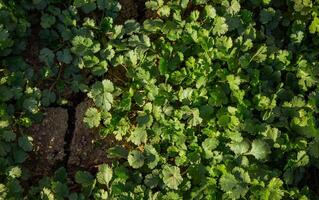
314, 26
260, 149
105, 174
15, 172
273, 191
240, 148
172, 177
138, 136
220, 26
92, 118
209, 145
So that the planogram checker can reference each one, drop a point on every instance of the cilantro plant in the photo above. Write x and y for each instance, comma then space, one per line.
205, 99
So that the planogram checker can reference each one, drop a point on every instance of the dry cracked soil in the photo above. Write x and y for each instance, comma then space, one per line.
51, 150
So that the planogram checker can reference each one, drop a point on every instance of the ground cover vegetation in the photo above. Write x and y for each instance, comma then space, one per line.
202, 99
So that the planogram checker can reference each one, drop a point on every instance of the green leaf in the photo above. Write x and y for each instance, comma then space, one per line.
138, 136
184, 3
266, 15
48, 97
25, 142
84, 178
153, 25
47, 21
31, 105
111, 6
101, 93
240, 148
273, 191
210, 11
153, 179
117, 152
15, 172
233, 81
47, 56
19, 155
314, 26
135, 159
232, 187
234, 7
81, 45
164, 11
260, 149
105, 174
209, 145
101, 194
5, 93
152, 156
100, 69
220, 26
314, 149
172, 177
64, 56
8, 136
92, 118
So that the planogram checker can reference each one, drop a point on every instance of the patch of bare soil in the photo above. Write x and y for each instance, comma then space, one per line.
31, 54
128, 11
134, 9
48, 140
118, 76
87, 149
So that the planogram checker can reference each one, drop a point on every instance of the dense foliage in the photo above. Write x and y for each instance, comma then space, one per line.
217, 99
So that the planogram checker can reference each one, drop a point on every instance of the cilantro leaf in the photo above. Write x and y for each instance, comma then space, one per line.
138, 136
92, 118
240, 148
260, 149
208, 145
220, 26
135, 159
232, 187
25, 142
104, 175
101, 93
172, 177
47, 20
273, 190
47, 56
64, 56
84, 178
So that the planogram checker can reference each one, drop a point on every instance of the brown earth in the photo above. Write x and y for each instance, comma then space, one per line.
48, 141
128, 11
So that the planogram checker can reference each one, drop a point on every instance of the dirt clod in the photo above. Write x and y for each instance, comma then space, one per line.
48, 140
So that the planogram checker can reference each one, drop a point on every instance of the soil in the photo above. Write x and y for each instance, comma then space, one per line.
134, 9
118, 76
87, 149
128, 11
48, 141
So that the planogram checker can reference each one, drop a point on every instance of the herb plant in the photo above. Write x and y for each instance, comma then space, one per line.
206, 99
